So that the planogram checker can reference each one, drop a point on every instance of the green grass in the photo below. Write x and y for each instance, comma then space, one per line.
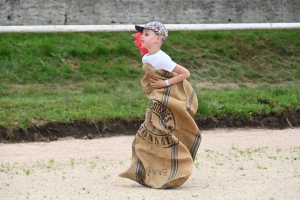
228, 56
244, 102
96, 76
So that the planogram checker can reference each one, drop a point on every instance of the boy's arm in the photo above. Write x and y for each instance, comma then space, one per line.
182, 73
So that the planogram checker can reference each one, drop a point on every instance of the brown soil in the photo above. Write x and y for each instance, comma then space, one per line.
49, 131
231, 164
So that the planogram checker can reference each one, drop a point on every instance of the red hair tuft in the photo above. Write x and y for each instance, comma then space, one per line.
138, 43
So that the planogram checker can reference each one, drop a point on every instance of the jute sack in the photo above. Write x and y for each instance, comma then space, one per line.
166, 144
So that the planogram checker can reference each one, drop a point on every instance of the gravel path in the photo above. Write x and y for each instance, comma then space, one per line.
231, 164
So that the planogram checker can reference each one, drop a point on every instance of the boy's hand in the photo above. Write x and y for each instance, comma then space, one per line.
157, 83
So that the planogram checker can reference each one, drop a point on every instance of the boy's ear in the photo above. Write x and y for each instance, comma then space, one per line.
159, 39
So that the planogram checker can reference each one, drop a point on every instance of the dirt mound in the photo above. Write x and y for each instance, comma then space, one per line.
40, 130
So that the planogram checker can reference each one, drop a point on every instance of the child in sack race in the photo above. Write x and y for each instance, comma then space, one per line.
166, 144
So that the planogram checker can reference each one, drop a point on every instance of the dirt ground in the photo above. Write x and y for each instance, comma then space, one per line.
44, 131
230, 164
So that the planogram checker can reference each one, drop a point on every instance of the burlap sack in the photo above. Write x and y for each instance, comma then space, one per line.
166, 144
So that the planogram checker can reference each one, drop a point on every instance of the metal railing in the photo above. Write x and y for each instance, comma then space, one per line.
171, 27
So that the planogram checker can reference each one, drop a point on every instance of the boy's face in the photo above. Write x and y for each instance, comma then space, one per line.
149, 38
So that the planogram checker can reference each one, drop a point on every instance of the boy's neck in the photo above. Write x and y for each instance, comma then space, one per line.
153, 50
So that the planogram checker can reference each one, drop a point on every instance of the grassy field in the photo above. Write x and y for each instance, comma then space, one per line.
96, 76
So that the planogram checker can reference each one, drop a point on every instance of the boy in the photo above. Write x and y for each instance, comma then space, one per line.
154, 35
166, 144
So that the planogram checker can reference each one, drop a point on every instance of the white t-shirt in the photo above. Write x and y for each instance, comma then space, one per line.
160, 60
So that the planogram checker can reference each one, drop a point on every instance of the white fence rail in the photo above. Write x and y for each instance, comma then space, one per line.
171, 27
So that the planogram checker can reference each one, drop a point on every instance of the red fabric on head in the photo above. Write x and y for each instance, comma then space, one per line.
138, 43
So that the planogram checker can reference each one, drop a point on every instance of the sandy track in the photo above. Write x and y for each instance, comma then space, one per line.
231, 164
